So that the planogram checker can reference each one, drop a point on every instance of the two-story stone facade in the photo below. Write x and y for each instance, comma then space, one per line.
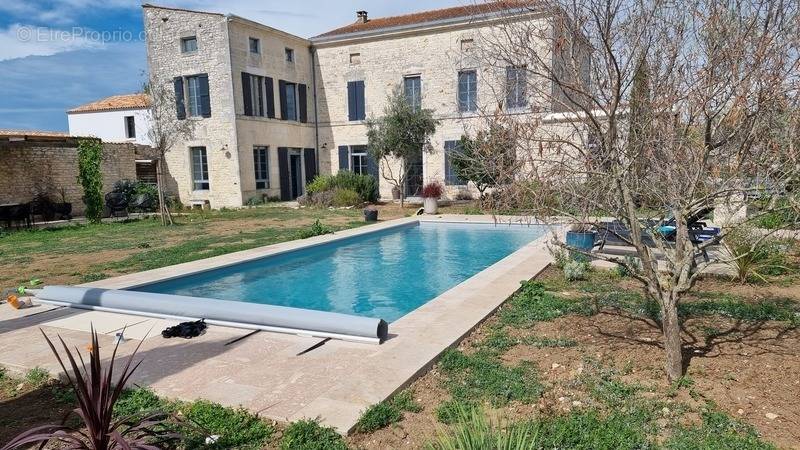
273, 110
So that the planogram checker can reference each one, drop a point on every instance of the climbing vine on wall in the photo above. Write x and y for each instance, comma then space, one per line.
90, 155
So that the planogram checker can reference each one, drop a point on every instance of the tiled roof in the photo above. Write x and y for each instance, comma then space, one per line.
32, 133
430, 16
127, 101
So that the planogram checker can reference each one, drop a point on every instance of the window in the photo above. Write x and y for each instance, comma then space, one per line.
355, 58
451, 150
261, 164
468, 91
189, 44
412, 87
130, 127
289, 55
358, 160
193, 96
255, 45
515, 87
466, 45
200, 169
290, 94
253, 91
355, 101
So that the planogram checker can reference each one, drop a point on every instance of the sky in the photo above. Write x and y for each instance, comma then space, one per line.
59, 54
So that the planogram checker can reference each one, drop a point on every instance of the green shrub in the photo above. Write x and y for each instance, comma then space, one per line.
345, 197
236, 428
310, 435
37, 377
132, 189
90, 176
378, 416
134, 402
451, 411
366, 186
574, 270
474, 431
753, 257
316, 229
404, 401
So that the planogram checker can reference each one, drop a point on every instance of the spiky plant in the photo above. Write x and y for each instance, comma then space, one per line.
97, 392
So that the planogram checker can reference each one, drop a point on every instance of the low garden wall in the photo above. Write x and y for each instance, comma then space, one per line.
29, 168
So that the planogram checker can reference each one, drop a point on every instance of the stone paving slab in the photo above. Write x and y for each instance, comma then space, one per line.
266, 372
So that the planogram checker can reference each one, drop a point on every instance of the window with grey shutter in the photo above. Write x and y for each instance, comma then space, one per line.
205, 96
302, 101
290, 96
247, 94
468, 91
356, 109
358, 159
180, 104
270, 97
344, 157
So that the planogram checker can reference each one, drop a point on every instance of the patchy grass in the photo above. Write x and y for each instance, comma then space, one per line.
383, 414
533, 304
236, 428
482, 377
718, 431
37, 377
310, 435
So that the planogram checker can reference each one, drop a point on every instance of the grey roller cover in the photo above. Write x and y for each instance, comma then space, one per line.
219, 310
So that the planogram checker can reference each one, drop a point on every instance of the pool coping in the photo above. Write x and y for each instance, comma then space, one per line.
376, 372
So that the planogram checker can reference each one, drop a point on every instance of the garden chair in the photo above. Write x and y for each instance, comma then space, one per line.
117, 204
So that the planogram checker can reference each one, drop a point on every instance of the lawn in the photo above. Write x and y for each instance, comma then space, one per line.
84, 253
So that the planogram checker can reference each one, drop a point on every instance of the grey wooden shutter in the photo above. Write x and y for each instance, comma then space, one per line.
361, 113
282, 96
302, 99
283, 173
270, 98
344, 157
310, 161
352, 110
180, 105
372, 166
246, 88
205, 97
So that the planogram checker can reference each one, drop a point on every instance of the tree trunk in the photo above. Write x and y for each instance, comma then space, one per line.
163, 210
673, 345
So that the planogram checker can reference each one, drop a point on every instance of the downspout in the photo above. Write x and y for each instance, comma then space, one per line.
316, 113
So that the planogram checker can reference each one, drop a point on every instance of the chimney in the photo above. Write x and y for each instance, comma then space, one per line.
362, 16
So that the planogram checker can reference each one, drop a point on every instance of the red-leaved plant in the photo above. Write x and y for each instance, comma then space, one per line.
433, 189
97, 392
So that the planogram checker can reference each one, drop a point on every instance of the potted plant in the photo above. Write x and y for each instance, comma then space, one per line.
395, 193
371, 214
431, 193
581, 236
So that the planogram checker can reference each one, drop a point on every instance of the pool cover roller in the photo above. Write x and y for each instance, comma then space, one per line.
219, 312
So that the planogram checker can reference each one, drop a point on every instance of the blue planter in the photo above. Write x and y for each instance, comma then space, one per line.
581, 240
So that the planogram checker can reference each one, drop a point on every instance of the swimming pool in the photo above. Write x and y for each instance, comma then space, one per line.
384, 274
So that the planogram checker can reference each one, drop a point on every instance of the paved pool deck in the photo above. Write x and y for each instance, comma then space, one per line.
276, 375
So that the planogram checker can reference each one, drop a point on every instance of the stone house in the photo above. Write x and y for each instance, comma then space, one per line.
273, 110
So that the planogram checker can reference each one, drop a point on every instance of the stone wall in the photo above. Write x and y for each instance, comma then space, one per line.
164, 29
27, 168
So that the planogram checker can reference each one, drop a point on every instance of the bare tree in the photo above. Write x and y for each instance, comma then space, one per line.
165, 131
718, 80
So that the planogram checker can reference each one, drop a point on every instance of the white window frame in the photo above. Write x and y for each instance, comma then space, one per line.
416, 102
201, 181
257, 101
362, 161
471, 104
193, 101
295, 105
516, 86
258, 158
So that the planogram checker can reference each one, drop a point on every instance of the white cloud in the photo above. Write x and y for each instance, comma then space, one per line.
20, 41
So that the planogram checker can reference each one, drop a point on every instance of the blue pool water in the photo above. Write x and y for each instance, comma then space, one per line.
384, 274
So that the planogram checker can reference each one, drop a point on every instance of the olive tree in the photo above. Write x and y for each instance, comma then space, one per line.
400, 136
